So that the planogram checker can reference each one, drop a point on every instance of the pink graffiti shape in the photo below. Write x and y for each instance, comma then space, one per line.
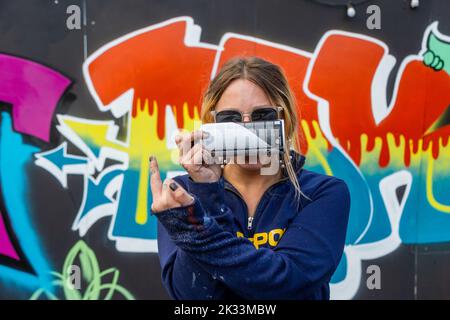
34, 91
6, 247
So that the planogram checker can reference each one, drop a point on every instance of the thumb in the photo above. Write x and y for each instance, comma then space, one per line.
180, 194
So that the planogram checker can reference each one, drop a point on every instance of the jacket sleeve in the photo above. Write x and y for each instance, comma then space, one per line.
212, 197
182, 276
304, 259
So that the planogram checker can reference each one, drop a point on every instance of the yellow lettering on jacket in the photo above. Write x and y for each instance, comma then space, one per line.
260, 238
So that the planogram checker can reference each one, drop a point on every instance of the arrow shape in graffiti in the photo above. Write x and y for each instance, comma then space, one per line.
60, 164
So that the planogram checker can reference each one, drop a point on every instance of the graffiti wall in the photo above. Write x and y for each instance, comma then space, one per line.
82, 109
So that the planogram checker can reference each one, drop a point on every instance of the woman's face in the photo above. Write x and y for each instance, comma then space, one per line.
244, 96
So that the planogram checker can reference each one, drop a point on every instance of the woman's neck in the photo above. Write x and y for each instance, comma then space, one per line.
251, 184
244, 179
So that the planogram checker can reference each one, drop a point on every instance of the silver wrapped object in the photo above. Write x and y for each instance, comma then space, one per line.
247, 141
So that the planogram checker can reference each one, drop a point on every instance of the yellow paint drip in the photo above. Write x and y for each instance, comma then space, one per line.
429, 180
317, 143
144, 142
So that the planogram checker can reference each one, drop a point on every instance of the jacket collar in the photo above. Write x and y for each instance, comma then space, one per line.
297, 161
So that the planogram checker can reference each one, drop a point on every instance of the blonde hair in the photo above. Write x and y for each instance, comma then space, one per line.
272, 80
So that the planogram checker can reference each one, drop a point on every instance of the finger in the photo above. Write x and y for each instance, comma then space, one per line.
178, 138
187, 140
183, 142
185, 159
197, 158
180, 194
165, 200
198, 135
155, 179
181, 136
193, 157
207, 157
167, 195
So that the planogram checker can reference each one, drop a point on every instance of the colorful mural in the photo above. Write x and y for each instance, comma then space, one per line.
91, 273
393, 153
32, 92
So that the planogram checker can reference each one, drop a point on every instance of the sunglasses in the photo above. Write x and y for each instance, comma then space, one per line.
266, 113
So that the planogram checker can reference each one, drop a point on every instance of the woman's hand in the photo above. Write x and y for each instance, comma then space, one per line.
167, 195
197, 161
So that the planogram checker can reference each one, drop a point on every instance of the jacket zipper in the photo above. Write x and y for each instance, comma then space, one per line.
250, 219
249, 223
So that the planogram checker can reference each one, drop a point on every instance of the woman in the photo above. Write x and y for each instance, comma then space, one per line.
235, 233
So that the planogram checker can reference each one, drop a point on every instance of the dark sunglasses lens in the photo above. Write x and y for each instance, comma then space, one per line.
265, 114
228, 116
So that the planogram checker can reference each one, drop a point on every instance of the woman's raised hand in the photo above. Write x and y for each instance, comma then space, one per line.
197, 161
167, 195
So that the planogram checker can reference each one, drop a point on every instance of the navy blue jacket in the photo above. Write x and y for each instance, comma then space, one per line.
210, 250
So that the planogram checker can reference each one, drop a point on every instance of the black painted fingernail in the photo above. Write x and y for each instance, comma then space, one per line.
173, 186
151, 158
